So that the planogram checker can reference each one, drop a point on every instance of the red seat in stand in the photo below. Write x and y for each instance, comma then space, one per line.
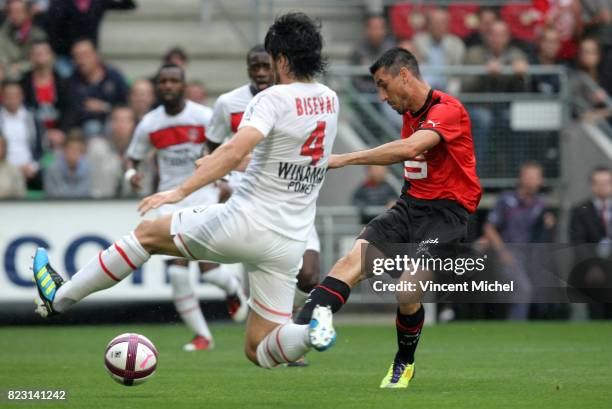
407, 19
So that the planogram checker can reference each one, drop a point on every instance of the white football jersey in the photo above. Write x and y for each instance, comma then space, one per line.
227, 113
299, 122
179, 140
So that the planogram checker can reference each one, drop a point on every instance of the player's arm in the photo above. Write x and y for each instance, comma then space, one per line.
219, 131
243, 163
131, 175
212, 146
389, 153
210, 168
139, 146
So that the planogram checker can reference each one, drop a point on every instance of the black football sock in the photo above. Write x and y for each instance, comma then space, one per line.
331, 292
408, 332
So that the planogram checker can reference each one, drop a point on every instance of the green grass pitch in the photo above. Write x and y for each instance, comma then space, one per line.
463, 365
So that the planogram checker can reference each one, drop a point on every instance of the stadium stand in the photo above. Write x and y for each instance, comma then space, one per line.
526, 104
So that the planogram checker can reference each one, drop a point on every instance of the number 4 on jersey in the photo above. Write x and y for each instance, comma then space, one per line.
313, 146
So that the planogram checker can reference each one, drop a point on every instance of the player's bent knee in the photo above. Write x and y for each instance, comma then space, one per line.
409, 309
145, 234
250, 352
154, 236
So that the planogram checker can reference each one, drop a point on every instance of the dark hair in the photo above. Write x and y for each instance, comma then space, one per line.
10, 82
74, 135
175, 51
394, 59
599, 169
298, 38
84, 40
172, 66
257, 48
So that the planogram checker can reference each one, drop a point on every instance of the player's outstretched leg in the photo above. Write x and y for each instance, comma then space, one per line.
335, 289
289, 342
188, 306
109, 267
408, 324
271, 338
313, 327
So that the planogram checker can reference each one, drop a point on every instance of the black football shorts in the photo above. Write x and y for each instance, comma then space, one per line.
427, 224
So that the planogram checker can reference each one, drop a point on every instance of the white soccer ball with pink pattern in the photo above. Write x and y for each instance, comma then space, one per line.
130, 359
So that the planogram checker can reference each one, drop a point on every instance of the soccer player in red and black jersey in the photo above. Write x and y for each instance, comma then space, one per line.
441, 189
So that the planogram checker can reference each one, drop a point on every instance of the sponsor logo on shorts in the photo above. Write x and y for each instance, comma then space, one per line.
423, 246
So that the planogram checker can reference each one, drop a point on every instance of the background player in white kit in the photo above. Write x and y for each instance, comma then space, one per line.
290, 128
227, 114
177, 129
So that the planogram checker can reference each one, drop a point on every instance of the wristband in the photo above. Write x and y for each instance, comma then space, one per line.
129, 174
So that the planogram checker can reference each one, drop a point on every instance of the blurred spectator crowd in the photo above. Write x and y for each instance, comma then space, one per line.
575, 33
508, 40
66, 115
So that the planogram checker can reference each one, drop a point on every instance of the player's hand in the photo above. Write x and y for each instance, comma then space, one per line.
336, 161
158, 199
136, 181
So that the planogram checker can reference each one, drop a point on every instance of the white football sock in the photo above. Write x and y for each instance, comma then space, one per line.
103, 271
186, 302
286, 343
222, 278
299, 299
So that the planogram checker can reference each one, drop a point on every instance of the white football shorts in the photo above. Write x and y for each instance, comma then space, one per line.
205, 196
227, 234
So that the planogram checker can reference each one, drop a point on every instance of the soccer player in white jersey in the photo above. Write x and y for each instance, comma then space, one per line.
227, 114
177, 130
290, 129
